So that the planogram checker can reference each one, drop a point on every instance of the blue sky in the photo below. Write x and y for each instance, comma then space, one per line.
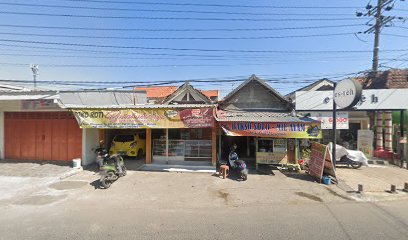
105, 55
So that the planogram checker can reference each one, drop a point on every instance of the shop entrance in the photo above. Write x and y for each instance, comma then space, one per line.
245, 148
129, 142
182, 146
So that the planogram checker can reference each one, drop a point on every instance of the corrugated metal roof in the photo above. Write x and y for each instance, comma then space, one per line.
102, 99
139, 106
256, 116
28, 95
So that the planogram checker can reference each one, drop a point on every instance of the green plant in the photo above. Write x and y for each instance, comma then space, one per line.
306, 153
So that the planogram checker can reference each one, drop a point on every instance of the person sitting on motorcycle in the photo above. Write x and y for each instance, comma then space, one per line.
233, 156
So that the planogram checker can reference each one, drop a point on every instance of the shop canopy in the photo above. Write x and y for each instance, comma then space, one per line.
267, 124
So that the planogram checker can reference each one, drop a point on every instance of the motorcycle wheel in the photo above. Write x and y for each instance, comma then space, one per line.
106, 181
124, 171
356, 165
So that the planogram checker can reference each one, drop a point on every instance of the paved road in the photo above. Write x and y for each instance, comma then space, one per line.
121, 220
197, 206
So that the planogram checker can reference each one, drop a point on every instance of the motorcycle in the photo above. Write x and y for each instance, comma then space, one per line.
344, 156
237, 166
112, 167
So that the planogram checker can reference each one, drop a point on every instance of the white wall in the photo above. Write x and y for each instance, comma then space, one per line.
2, 134
90, 141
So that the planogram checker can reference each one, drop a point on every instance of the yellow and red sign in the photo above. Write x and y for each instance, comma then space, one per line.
144, 118
273, 129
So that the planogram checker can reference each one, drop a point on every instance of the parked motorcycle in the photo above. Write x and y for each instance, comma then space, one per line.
237, 166
352, 158
112, 167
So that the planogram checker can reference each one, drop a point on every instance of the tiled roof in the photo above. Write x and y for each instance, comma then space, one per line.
256, 116
158, 92
210, 93
165, 91
390, 79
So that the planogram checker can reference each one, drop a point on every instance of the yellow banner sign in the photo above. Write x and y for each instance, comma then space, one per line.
144, 118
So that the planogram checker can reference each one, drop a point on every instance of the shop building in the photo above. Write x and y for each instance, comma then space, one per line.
263, 125
34, 127
179, 129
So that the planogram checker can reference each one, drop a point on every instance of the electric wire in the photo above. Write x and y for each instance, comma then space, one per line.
180, 30
187, 49
213, 5
169, 10
178, 18
175, 38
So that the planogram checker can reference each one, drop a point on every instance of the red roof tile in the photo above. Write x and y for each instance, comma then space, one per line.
164, 91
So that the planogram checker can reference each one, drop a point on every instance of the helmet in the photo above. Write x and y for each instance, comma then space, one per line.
233, 156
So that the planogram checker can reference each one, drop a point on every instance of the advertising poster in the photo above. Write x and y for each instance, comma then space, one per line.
317, 158
326, 119
144, 118
365, 139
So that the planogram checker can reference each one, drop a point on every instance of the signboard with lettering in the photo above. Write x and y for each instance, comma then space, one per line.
347, 93
273, 129
321, 162
371, 99
39, 104
326, 119
145, 118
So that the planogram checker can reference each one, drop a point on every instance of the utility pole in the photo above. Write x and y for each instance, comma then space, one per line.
377, 28
380, 22
34, 68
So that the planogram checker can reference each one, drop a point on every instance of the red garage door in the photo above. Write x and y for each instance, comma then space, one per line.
42, 136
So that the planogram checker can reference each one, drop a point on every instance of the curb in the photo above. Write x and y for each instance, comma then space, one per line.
71, 173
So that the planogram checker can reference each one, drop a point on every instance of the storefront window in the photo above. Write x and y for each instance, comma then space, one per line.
183, 144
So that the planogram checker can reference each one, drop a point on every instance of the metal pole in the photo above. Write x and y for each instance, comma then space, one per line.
334, 129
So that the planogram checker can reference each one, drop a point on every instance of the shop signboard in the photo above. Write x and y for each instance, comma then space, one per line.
144, 118
365, 139
39, 104
347, 93
326, 119
321, 162
273, 129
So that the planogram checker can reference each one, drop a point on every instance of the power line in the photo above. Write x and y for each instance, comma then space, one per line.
185, 49
283, 80
177, 18
126, 53
175, 38
212, 5
170, 11
221, 58
179, 30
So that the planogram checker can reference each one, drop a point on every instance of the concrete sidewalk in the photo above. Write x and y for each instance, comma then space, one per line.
376, 181
22, 178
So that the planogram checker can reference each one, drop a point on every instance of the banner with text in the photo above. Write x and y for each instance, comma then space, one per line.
273, 129
144, 118
326, 118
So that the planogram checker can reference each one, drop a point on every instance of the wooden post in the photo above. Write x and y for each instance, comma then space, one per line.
148, 146
247, 150
214, 145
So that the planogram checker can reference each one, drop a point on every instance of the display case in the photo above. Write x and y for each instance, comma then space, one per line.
271, 151
182, 149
